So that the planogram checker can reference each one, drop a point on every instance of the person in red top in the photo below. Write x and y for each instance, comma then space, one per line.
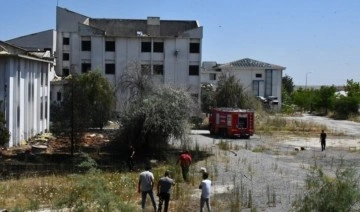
185, 161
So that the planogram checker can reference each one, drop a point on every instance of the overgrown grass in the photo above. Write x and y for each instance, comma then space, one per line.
279, 124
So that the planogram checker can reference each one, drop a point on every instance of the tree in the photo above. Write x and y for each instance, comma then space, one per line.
230, 93
4, 133
151, 120
353, 88
207, 97
304, 98
324, 98
288, 84
344, 106
89, 101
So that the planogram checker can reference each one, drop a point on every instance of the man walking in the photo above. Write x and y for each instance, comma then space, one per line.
145, 186
164, 189
323, 140
185, 161
205, 187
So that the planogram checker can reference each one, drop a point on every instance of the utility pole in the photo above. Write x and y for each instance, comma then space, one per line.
306, 79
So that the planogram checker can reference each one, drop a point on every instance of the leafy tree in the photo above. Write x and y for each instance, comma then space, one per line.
324, 98
304, 98
88, 102
99, 94
4, 133
330, 194
230, 93
353, 88
288, 84
151, 120
344, 106
207, 97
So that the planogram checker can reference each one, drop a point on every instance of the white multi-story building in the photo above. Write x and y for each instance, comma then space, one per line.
169, 49
260, 78
24, 91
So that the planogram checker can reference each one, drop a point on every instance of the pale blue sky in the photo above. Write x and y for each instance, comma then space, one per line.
319, 39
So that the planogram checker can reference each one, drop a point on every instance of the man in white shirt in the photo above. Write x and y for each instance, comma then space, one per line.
205, 187
145, 186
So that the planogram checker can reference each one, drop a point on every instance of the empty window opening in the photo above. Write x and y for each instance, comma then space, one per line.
86, 45
110, 68
158, 47
66, 41
194, 70
158, 69
194, 47
66, 56
110, 46
85, 67
65, 72
145, 46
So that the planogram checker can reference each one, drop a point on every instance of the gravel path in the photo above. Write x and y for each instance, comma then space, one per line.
272, 170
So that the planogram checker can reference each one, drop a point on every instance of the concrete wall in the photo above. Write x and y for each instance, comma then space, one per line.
28, 95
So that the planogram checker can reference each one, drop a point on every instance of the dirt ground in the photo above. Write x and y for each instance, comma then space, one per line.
270, 170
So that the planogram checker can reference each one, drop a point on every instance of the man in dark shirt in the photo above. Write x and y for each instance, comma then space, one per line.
164, 189
323, 140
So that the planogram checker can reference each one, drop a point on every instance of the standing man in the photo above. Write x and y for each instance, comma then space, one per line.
323, 140
131, 154
205, 187
164, 189
145, 186
185, 161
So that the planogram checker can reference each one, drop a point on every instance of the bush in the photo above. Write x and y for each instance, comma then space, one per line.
330, 194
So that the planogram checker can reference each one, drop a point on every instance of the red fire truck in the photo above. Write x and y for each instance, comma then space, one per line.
229, 122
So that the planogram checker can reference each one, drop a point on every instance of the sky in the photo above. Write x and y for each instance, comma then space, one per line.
318, 41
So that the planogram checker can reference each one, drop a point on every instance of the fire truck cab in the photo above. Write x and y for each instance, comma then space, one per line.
230, 122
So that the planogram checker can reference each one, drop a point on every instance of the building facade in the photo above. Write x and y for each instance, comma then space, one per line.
24, 91
169, 50
259, 78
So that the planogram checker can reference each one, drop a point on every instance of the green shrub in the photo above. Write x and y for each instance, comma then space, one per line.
330, 194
